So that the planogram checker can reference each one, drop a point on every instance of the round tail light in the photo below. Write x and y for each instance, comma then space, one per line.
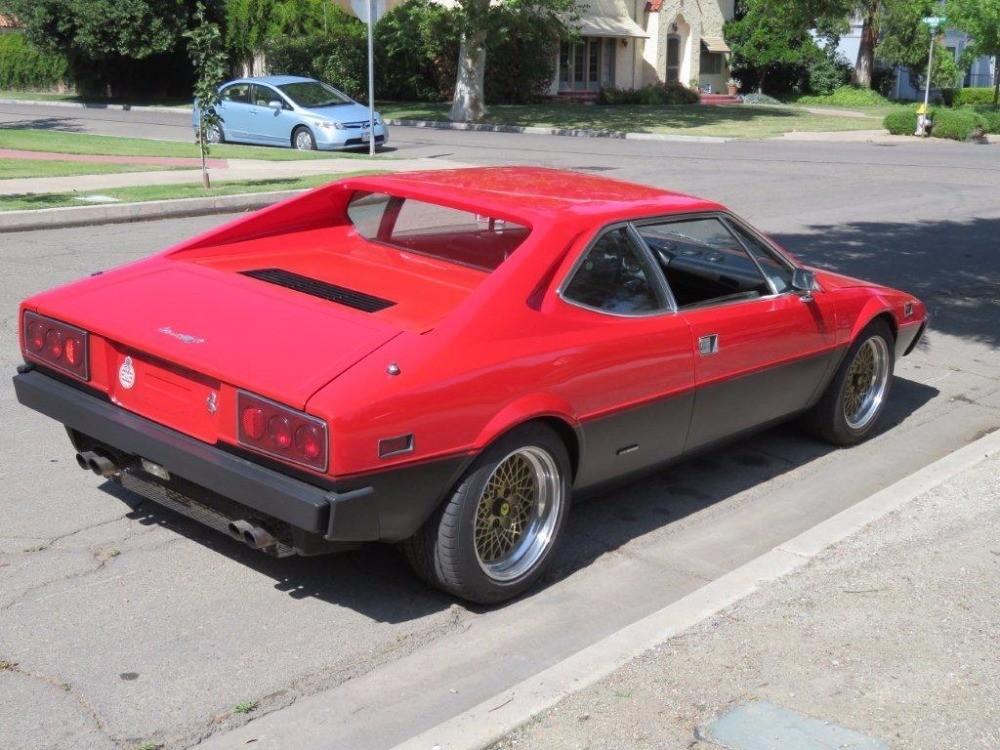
253, 423
280, 432
74, 351
36, 336
54, 343
309, 441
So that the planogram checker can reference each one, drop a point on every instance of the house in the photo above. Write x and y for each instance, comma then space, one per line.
632, 43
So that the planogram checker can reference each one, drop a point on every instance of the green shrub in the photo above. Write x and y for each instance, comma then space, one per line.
901, 122
25, 66
847, 96
339, 58
956, 124
979, 95
990, 116
654, 93
522, 48
416, 52
826, 74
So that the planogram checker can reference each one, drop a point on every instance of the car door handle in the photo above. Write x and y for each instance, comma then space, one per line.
708, 344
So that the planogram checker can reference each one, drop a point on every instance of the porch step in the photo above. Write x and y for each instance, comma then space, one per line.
718, 99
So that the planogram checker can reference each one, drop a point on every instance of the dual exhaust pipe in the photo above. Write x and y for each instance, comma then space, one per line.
97, 463
252, 535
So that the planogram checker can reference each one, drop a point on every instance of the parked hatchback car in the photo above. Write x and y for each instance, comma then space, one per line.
443, 359
291, 111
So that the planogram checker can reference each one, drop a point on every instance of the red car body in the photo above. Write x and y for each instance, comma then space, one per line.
390, 369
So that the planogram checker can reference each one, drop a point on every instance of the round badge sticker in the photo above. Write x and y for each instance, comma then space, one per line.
126, 373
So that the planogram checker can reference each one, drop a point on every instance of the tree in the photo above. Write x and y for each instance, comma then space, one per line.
980, 19
252, 24
473, 20
209, 61
104, 39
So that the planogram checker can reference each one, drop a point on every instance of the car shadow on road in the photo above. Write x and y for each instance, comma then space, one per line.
953, 266
376, 582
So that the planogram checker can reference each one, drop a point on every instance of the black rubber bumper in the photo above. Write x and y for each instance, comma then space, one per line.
348, 516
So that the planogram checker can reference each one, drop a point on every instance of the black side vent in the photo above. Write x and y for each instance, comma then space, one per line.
330, 292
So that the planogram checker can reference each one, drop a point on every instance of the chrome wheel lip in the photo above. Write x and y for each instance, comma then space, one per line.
873, 397
543, 516
213, 134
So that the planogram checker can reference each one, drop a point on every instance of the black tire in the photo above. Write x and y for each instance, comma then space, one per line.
830, 419
446, 551
303, 139
215, 134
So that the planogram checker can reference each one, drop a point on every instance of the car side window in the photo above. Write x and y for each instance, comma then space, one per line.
262, 95
703, 262
616, 277
779, 273
238, 93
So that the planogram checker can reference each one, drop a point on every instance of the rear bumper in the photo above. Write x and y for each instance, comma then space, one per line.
384, 506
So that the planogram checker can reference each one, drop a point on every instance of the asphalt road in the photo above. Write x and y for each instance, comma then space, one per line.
136, 626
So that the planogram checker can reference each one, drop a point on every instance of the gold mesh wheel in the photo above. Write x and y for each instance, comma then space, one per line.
517, 513
866, 384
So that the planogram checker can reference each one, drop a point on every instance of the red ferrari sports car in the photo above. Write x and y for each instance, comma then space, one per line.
442, 359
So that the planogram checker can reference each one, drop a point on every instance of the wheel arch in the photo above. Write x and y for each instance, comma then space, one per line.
876, 309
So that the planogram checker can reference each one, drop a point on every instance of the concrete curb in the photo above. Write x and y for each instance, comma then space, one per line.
118, 213
498, 716
86, 105
571, 132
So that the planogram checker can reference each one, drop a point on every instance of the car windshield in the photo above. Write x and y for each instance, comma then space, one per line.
313, 94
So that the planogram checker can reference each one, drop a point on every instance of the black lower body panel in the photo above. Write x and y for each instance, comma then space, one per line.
384, 506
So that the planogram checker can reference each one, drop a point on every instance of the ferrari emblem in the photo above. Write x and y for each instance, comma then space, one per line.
126, 373
210, 402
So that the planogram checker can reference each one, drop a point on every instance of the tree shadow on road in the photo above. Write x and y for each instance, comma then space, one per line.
953, 266
62, 124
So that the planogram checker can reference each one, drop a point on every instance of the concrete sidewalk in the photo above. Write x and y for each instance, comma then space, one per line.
884, 639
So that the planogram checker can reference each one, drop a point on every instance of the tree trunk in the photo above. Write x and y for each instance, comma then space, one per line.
865, 64
468, 104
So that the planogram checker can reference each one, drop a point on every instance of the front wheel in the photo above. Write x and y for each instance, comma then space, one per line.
494, 536
303, 139
214, 134
847, 412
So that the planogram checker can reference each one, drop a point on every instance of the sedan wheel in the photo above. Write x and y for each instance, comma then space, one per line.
493, 537
850, 407
303, 140
213, 134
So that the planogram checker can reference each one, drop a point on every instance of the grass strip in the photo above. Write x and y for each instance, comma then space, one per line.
29, 201
734, 121
11, 169
109, 145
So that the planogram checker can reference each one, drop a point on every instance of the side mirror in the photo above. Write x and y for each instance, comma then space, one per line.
803, 283
275, 105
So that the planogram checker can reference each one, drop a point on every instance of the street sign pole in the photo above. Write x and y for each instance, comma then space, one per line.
371, 77
927, 83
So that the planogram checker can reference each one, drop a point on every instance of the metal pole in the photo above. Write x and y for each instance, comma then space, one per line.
371, 77
927, 85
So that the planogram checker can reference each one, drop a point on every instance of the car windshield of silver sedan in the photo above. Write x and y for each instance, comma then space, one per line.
469, 239
311, 94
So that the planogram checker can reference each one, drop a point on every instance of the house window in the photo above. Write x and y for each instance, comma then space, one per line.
586, 65
711, 63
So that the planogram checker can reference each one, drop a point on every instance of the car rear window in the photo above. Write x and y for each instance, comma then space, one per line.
453, 235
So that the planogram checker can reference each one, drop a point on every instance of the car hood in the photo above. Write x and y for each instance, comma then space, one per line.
352, 112
273, 341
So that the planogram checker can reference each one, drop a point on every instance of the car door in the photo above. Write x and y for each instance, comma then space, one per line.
761, 350
627, 363
234, 109
270, 126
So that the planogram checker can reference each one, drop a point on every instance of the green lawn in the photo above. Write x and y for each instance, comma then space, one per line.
167, 192
79, 143
11, 169
735, 121
51, 96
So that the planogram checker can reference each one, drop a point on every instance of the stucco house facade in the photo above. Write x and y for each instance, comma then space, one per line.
633, 43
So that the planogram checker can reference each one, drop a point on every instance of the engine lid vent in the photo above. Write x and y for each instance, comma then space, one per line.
323, 290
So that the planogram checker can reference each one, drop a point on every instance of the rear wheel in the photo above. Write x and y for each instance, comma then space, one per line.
848, 410
214, 134
493, 537
302, 139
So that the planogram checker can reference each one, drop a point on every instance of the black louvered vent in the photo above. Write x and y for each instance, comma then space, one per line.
331, 292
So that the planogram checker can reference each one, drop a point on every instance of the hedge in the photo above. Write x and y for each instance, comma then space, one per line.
339, 58
954, 124
979, 95
25, 66
654, 93
901, 122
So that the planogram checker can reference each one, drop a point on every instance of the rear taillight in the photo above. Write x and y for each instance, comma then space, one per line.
60, 346
278, 431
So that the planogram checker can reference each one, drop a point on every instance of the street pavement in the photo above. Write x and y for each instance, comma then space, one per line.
136, 626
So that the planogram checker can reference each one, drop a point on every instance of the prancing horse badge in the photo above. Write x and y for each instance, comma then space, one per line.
210, 402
